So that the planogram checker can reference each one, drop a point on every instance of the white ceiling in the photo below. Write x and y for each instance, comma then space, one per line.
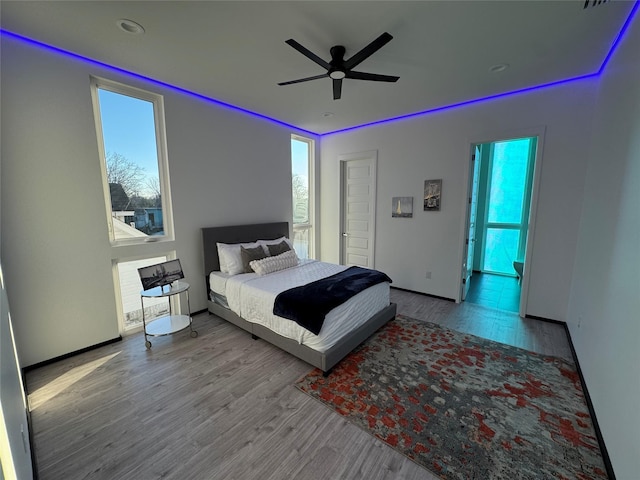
235, 51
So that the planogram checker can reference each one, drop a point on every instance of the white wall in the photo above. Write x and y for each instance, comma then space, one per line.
604, 310
55, 247
225, 168
438, 146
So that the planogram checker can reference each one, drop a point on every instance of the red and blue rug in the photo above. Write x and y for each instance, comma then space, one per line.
464, 407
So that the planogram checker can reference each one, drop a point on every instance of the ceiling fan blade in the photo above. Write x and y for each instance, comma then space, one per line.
337, 89
363, 54
305, 79
371, 76
308, 53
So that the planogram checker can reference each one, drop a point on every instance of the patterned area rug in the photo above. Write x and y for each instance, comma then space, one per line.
465, 407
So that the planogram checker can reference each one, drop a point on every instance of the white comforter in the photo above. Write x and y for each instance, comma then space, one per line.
252, 297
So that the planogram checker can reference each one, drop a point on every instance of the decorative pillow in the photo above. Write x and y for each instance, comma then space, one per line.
278, 248
250, 254
285, 260
266, 243
230, 258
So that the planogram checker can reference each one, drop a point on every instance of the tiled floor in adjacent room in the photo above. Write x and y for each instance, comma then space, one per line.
496, 291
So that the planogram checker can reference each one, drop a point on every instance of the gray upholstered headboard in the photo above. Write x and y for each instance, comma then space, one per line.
237, 234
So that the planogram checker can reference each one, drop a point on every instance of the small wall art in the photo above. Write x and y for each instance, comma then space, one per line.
432, 194
402, 207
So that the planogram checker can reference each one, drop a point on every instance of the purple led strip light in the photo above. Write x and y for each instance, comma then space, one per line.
615, 44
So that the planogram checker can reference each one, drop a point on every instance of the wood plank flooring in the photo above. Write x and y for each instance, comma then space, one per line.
222, 406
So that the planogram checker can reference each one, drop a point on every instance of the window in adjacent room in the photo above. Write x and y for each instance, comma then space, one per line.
508, 193
302, 168
130, 125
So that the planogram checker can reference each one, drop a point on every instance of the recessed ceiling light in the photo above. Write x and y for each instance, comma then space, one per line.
130, 26
500, 67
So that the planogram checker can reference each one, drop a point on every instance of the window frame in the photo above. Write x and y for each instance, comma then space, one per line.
523, 225
157, 101
311, 191
173, 301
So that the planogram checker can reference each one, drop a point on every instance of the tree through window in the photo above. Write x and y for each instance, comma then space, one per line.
302, 195
133, 161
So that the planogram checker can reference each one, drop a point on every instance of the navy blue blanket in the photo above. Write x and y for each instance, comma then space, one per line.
307, 305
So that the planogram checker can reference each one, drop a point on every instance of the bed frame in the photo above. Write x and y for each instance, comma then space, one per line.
325, 361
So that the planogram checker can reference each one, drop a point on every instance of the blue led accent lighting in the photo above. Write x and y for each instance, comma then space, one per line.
623, 30
149, 79
465, 103
613, 48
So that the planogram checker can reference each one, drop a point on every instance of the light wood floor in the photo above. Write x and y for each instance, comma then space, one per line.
222, 406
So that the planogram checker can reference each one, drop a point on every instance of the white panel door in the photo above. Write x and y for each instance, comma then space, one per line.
358, 204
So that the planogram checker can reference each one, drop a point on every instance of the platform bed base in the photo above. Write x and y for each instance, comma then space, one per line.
325, 361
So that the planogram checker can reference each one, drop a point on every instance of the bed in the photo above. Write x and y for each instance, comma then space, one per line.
345, 327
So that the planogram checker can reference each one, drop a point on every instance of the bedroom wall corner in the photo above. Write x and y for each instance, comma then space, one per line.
604, 304
226, 169
437, 146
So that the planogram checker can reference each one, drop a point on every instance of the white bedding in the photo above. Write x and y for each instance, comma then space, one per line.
252, 296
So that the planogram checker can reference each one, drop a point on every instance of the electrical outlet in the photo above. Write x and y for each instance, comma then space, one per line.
428, 275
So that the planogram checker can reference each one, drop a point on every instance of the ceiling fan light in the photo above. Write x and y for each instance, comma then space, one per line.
337, 74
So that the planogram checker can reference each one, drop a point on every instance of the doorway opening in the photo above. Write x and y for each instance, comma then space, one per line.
501, 183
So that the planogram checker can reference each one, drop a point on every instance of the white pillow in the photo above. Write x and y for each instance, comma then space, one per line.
273, 264
264, 243
231, 258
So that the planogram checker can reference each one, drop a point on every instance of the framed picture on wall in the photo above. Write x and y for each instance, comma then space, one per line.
432, 194
402, 207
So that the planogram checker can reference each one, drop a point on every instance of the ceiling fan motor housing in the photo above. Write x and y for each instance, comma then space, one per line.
339, 68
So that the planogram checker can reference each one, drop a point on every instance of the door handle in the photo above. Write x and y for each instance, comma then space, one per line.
345, 234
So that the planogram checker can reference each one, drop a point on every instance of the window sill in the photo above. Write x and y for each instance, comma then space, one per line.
142, 249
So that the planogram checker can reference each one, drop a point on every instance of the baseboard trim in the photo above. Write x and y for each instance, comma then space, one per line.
548, 320
422, 293
86, 349
71, 354
592, 413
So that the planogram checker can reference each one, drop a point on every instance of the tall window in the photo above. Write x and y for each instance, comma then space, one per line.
507, 211
131, 130
302, 168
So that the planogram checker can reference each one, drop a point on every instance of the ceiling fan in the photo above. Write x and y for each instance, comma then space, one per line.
339, 68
